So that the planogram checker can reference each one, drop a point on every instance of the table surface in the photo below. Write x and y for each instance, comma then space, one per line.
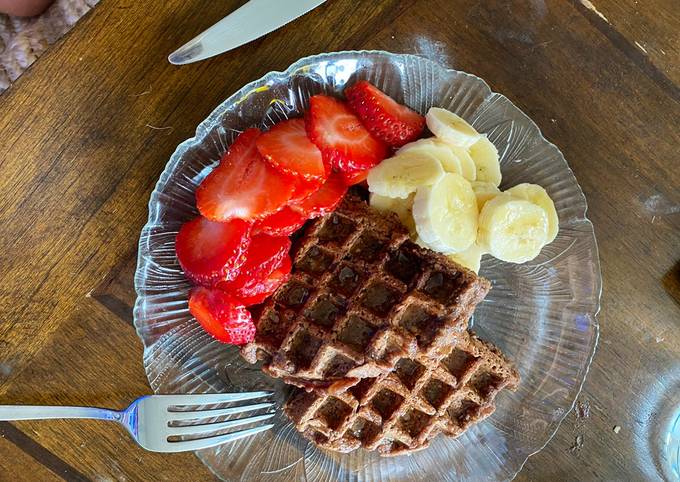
85, 133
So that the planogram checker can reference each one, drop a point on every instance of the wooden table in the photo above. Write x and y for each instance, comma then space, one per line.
85, 133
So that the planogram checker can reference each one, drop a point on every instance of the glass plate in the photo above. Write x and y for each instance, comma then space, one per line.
542, 314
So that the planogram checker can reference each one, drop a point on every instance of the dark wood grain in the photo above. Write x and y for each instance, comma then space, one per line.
652, 28
628, 25
25, 460
86, 131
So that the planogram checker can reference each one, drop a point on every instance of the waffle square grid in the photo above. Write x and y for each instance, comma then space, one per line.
372, 329
401, 411
361, 296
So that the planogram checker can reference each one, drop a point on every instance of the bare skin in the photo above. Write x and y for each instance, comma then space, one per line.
24, 8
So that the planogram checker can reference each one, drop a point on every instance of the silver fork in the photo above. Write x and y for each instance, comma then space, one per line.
151, 420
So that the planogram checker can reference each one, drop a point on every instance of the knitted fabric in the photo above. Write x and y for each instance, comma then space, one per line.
23, 40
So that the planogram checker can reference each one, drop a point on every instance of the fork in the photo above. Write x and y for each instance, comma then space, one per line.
151, 420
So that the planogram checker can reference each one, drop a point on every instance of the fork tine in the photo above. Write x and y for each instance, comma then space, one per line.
211, 398
217, 412
214, 427
205, 443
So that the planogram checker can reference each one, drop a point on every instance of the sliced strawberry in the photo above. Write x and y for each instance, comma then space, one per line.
256, 293
344, 142
282, 223
304, 189
287, 148
323, 201
243, 147
354, 177
224, 317
384, 117
265, 254
244, 185
209, 251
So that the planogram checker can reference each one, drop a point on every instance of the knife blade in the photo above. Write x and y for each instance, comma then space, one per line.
249, 22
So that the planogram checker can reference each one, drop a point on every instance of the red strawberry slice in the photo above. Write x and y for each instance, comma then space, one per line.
224, 317
384, 117
354, 177
209, 251
265, 254
323, 201
304, 189
244, 185
287, 148
344, 142
282, 223
244, 146
256, 293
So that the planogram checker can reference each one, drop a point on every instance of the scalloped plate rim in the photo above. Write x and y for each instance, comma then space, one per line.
202, 130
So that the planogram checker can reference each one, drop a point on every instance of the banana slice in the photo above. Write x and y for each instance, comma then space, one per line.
537, 195
439, 149
467, 164
485, 156
399, 176
471, 258
485, 191
446, 214
401, 207
451, 128
511, 229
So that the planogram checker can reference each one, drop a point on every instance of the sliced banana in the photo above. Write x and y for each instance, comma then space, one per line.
485, 191
401, 207
537, 195
437, 148
399, 176
451, 128
485, 156
471, 258
511, 229
446, 214
467, 164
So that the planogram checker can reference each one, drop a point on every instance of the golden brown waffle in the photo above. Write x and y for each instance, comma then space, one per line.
361, 296
400, 412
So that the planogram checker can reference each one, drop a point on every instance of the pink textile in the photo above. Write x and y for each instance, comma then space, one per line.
23, 40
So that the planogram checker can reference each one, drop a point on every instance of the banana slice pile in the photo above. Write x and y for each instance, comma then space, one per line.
445, 190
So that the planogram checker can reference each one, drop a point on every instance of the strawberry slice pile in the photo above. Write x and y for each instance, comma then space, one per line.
224, 317
282, 223
385, 118
323, 201
287, 147
254, 293
265, 255
344, 141
209, 251
244, 185
266, 186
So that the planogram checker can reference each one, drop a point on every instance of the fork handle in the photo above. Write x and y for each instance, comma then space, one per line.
31, 412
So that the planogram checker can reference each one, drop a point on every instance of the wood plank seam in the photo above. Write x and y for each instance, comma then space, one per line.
116, 306
620, 42
40, 454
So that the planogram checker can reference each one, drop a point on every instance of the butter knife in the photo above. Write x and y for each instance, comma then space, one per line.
251, 21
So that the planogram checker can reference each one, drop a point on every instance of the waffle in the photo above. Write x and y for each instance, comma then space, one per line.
361, 297
397, 413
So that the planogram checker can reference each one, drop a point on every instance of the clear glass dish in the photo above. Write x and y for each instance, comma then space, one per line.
542, 314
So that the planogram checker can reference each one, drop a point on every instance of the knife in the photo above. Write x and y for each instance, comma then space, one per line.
251, 21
